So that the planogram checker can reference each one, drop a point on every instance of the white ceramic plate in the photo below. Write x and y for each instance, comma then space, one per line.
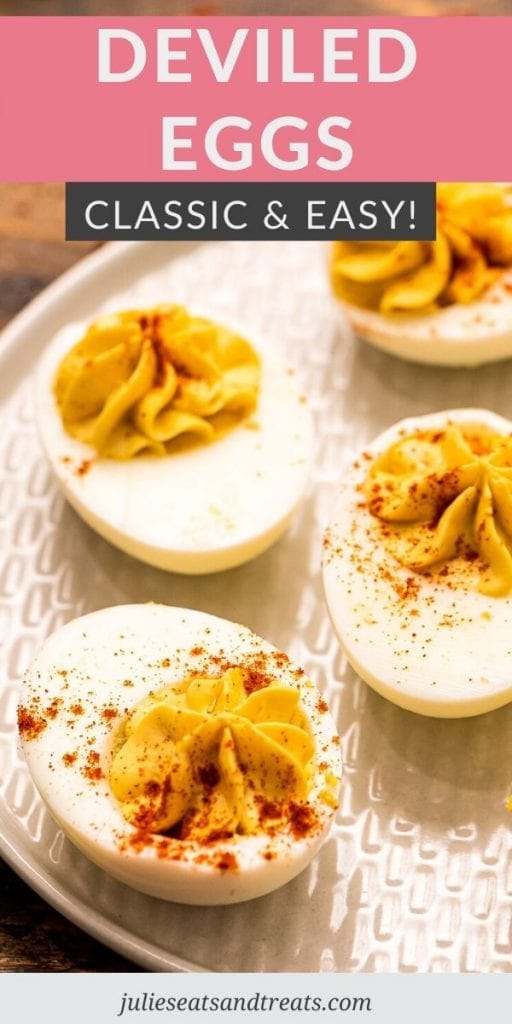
416, 875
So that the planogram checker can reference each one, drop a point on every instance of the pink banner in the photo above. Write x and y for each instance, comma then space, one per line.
255, 99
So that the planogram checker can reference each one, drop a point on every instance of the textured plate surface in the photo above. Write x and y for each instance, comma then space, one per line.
417, 874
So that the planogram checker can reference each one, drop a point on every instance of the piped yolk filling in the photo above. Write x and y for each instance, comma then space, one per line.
445, 498
207, 760
141, 381
473, 243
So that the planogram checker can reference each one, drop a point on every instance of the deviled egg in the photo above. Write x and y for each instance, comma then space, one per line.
418, 563
443, 302
180, 752
173, 437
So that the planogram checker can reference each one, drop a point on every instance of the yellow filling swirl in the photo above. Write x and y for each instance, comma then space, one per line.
140, 379
474, 240
445, 496
210, 758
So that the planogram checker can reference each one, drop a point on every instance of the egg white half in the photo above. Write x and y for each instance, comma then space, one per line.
201, 510
440, 651
87, 676
457, 335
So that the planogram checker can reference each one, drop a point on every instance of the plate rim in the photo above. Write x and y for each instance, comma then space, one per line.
27, 867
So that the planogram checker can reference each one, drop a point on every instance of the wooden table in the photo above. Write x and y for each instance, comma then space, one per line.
32, 247
33, 937
171, 8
